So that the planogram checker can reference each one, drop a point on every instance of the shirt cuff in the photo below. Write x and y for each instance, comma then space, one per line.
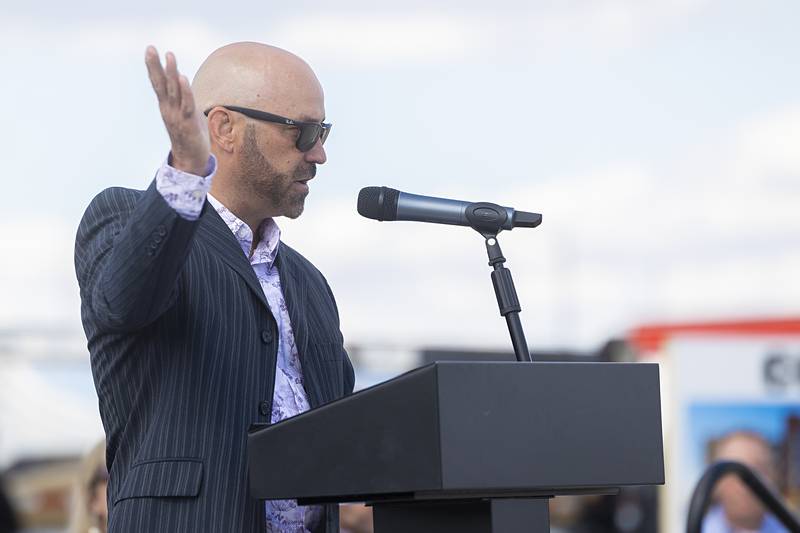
184, 192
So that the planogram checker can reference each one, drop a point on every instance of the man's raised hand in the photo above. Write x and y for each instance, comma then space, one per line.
186, 128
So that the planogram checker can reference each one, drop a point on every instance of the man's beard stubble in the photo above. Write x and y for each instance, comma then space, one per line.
260, 179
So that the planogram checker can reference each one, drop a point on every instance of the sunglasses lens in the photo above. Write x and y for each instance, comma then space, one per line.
310, 133
308, 137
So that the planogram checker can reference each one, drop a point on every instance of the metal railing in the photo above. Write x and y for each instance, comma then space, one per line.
701, 499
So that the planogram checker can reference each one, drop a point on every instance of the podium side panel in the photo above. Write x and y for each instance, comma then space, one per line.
379, 441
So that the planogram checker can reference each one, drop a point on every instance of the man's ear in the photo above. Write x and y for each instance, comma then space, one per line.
221, 131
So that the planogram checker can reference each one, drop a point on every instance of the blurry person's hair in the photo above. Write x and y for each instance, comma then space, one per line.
770, 468
717, 445
91, 475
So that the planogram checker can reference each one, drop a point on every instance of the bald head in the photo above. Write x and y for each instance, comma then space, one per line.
262, 168
258, 76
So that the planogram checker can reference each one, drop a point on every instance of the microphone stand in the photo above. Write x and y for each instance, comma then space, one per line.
504, 290
507, 298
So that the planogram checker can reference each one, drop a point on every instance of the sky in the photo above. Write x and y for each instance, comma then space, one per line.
659, 139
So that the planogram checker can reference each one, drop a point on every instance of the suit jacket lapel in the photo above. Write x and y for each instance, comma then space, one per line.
294, 292
218, 235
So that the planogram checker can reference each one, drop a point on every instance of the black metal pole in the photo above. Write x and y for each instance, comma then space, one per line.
507, 299
518, 338
701, 499
517, 515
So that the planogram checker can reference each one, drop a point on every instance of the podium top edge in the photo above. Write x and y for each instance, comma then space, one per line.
430, 369
549, 363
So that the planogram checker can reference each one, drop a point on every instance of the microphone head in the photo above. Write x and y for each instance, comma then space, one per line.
378, 203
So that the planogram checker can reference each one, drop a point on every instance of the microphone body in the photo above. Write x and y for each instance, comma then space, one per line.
420, 208
385, 204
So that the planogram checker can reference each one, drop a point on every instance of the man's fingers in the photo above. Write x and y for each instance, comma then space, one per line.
187, 132
173, 90
187, 99
156, 73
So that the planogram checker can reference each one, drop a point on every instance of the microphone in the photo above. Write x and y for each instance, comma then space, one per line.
385, 204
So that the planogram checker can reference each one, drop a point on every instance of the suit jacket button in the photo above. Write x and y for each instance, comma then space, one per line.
263, 408
162, 230
266, 336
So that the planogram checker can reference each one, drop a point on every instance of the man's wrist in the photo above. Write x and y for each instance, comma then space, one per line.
192, 167
185, 192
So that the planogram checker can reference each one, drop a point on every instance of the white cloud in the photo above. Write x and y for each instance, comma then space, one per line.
414, 36
111, 39
599, 25
708, 237
424, 37
38, 282
39, 418
769, 146
384, 39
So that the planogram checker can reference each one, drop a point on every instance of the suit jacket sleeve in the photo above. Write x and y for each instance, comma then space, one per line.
129, 252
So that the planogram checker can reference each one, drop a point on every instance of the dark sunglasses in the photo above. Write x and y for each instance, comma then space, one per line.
309, 131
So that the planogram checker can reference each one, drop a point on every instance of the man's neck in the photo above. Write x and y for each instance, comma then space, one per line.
238, 208
252, 222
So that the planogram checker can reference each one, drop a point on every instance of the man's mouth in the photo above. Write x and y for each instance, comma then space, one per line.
309, 174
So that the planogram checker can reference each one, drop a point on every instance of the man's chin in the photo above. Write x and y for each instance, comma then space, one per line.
292, 204
295, 210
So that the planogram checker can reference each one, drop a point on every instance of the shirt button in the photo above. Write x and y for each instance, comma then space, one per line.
263, 408
266, 336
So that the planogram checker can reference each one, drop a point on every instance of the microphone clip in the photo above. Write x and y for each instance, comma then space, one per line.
486, 218
489, 219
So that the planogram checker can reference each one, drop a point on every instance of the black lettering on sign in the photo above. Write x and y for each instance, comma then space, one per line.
776, 370
781, 369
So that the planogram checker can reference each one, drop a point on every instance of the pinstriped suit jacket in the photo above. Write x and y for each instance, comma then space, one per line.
183, 350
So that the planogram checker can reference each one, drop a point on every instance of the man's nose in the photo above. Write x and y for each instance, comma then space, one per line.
316, 154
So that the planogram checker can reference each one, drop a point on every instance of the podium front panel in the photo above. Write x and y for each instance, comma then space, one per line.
550, 425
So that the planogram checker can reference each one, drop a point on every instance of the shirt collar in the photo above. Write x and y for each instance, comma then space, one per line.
270, 233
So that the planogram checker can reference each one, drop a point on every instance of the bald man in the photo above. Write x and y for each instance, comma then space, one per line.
200, 320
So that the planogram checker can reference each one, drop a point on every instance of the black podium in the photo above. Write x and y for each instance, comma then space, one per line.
469, 447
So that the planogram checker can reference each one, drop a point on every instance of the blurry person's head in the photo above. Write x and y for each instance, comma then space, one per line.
742, 509
89, 504
264, 163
